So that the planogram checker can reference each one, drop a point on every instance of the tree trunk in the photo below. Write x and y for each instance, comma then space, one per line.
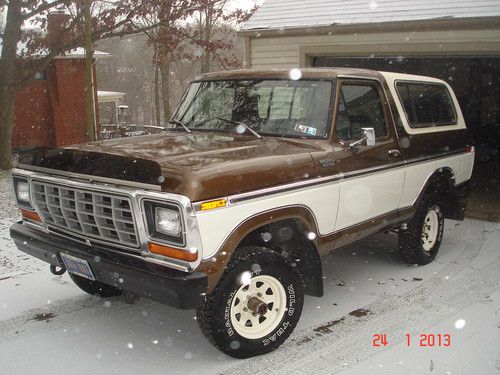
90, 116
156, 85
165, 88
6, 118
7, 81
207, 36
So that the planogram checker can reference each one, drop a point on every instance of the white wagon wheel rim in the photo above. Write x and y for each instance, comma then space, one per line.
430, 230
258, 307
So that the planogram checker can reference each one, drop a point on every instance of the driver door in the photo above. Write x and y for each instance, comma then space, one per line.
373, 175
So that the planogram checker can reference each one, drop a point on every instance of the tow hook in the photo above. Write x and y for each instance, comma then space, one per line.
57, 270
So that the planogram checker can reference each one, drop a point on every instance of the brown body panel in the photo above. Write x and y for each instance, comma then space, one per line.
205, 165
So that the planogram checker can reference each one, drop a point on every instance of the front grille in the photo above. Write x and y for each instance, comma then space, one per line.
87, 213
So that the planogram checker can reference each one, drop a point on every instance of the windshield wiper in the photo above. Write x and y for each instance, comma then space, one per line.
175, 122
242, 124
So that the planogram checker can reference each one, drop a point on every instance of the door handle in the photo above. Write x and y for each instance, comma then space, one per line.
394, 152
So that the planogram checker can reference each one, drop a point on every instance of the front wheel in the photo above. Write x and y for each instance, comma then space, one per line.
421, 240
256, 305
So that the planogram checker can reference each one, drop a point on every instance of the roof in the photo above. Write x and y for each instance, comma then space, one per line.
314, 74
281, 14
79, 53
293, 74
109, 96
76, 53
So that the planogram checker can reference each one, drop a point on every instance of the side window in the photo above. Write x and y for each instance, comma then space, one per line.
427, 104
359, 107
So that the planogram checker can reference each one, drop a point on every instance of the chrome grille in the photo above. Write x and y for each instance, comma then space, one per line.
87, 213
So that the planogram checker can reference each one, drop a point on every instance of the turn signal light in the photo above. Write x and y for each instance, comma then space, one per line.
213, 204
186, 255
30, 215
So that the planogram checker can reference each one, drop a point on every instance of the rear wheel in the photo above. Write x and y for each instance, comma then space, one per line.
95, 287
421, 240
255, 306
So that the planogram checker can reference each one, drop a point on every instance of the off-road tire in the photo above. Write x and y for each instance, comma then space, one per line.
95, 288
214, 315
411, 241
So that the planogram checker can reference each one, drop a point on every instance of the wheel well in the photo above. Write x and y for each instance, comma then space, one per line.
442, 185
290, 238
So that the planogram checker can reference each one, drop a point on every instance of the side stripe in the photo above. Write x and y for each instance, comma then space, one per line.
238, 198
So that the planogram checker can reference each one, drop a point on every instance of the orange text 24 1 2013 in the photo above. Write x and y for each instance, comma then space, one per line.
422, 340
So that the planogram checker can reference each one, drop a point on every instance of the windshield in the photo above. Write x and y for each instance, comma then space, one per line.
272, 107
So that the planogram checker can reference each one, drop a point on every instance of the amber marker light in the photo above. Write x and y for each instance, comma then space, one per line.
30, 215
213, 204
186, 255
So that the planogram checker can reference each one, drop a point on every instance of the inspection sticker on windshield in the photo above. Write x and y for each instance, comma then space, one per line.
305, 129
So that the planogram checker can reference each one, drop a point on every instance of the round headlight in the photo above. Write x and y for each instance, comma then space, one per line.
167, 221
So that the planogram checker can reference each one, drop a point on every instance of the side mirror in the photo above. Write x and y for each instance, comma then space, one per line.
368, 138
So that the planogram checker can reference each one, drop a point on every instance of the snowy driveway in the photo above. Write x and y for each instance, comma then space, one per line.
47, 325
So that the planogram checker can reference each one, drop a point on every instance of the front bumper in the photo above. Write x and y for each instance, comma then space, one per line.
131, 273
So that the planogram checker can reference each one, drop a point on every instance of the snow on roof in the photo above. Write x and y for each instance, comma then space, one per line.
109, 96
279, 14
109, 93
79, 52
76, 53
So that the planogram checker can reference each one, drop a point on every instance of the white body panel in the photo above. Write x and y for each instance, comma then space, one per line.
366, 197
393, 78
417, 174
215, 226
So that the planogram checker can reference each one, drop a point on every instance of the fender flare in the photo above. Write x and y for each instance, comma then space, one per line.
443, 182
215, 266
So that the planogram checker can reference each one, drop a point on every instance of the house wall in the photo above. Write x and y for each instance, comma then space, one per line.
51, 112
68, 101
296, 51
33, 116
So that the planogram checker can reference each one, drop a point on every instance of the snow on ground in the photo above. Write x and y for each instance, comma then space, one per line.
47, 325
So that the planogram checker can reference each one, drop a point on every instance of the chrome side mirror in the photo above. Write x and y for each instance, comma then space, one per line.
368, 138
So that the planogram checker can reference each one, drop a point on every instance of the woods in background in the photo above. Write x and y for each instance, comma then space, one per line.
193, 37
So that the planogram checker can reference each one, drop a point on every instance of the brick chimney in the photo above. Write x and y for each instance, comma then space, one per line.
56, 23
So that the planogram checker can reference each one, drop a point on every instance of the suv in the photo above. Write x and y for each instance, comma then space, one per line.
260, 174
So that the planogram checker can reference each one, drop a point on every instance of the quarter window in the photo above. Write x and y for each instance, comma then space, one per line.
359, 107
427, 104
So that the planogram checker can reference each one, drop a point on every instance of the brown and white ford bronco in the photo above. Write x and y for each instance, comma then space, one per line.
259, 175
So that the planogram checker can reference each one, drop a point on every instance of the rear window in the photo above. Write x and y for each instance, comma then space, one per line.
427, 104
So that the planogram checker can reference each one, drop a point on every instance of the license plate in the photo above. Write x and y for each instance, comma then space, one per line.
77, 266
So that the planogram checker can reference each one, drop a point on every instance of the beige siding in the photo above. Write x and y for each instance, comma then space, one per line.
288, 52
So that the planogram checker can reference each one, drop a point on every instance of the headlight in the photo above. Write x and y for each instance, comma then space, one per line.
167, 221
164, 222
22, 191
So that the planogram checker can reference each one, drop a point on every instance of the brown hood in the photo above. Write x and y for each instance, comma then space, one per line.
205, 165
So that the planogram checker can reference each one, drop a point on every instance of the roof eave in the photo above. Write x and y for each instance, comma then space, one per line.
413, 25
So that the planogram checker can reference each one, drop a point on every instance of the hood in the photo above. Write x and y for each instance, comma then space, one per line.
200, 165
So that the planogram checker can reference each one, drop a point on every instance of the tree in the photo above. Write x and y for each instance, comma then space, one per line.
109, 19
167, 42
214, 22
